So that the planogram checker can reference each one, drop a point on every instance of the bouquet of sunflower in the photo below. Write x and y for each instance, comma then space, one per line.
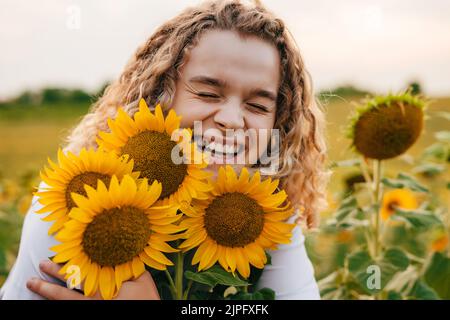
127, 207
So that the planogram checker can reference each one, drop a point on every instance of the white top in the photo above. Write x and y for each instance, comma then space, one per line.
290, 275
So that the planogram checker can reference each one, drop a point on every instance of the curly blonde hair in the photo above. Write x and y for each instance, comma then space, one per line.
152, 73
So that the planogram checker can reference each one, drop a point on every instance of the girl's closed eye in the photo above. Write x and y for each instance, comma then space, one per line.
258, 107
207, 95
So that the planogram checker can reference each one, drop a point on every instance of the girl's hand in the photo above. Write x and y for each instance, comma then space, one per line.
142, 288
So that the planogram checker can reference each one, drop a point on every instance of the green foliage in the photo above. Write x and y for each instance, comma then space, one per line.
415, 88
214, 276
262, 294
392, 261
218, 284
410, 247
418, 219
404, 181
437, 275
348, 91
421, 291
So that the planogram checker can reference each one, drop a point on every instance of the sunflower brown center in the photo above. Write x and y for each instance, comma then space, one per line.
388, 131
77, 185
151, 151
116, 236
234, 220
392, 205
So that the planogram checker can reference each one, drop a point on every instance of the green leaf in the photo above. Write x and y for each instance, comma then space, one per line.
437, 275
437, 150
404, 181
348, 207
214, 276
429, 169
394, 260
349, 202
394, 295
417, 219
362, 267
359, 261
346, 163
262, 294
421, 291
326, 291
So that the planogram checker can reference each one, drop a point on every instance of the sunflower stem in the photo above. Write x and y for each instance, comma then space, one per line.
171, 283
186, 292
179, 276
377, 167
367, 177
377, 194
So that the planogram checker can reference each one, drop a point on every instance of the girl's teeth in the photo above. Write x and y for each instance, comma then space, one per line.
219, 148
211, 146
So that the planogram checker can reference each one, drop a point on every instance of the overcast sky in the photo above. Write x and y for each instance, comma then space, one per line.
380, 45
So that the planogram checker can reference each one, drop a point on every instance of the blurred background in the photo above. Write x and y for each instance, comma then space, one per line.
57, 57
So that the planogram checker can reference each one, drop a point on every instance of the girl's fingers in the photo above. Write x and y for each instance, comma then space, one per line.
51, 269
53, 291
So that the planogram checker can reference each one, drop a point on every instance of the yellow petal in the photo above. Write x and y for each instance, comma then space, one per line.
67, 254
241, 263
106, 282
137, 267
209, 254
80, 215
151, 262
91, 283
194, 240
158, 256
230, 258
161, 245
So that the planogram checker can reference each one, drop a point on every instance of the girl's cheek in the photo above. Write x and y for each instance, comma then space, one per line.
195, 112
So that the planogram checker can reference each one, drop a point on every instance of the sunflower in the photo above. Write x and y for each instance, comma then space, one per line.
242, 217
114, 231
397, 198
387, 126
440, 240
149, 139
71, 174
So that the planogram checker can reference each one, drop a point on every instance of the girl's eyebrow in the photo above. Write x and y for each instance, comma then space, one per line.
222, 84
208, 81
264, 94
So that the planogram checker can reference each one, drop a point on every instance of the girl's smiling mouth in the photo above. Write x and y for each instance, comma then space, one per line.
221, 150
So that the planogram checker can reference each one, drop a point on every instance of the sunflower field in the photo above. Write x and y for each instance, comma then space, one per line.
385, 234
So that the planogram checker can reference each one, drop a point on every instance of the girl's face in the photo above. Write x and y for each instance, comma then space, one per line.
230, 84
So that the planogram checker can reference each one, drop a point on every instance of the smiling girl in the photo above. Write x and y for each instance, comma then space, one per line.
232, 66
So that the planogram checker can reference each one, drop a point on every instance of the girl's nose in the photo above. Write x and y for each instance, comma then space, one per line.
229, 116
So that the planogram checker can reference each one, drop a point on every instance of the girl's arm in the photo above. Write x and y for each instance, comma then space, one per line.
291, 274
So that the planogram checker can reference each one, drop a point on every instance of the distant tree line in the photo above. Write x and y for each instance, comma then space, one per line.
53, 95
48, 96
348, 91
